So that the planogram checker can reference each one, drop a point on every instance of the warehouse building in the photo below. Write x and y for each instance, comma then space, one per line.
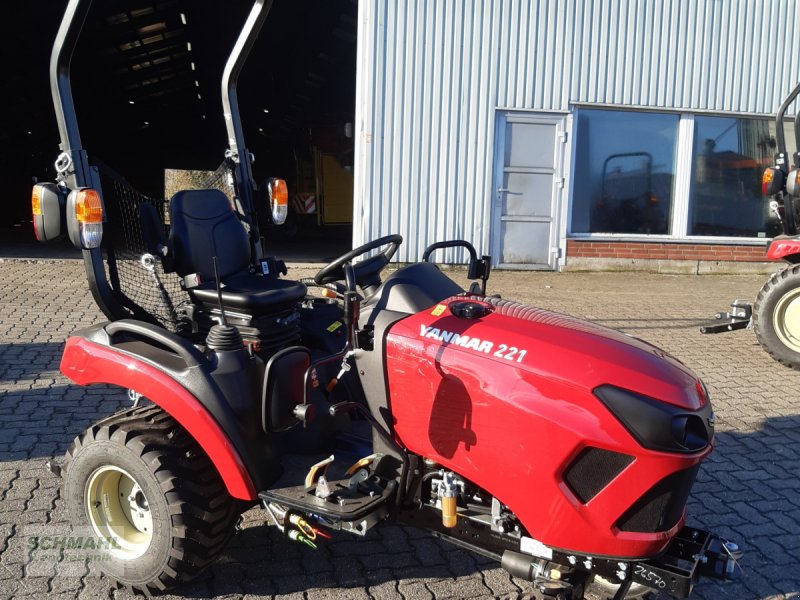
551, 134
567, 134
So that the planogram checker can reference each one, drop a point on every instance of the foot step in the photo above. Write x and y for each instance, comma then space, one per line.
344, 503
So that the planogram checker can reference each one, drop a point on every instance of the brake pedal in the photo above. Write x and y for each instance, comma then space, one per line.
364, 462
316, 471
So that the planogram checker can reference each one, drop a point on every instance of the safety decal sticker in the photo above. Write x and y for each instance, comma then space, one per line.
334, 326
438, 310
535, 547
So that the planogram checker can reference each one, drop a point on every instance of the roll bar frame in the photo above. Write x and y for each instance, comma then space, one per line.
73, 165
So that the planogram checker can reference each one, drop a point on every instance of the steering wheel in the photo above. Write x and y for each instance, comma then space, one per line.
367, 270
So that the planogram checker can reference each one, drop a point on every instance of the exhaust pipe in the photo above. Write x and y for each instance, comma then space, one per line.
521, 565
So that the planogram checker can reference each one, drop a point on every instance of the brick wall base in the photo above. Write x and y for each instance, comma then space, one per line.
666, 251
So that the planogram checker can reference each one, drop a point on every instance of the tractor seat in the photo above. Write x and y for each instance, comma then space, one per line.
248, 293
203, 226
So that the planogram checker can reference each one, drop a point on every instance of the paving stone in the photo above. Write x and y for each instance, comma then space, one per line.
749, 489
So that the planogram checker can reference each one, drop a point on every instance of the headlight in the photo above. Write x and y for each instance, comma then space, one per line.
658, 425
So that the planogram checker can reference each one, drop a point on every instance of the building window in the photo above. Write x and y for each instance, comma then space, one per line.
729, 157
624, 172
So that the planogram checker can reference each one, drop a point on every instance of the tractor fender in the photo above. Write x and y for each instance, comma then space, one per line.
787, 249
86, 362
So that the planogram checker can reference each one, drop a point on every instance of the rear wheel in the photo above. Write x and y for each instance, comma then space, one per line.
145, 488
776, 316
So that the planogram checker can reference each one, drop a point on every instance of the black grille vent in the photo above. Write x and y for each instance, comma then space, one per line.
592, 470
662, 506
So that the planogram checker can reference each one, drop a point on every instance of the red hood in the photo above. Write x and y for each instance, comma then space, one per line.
558, 347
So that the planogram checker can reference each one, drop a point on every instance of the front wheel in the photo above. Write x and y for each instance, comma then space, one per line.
776, 316
152, 498
604, 589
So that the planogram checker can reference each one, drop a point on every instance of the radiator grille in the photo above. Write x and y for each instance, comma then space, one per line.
592, 470
662, 506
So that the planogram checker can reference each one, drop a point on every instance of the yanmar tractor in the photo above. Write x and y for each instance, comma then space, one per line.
564, 450
776, 312
775, 315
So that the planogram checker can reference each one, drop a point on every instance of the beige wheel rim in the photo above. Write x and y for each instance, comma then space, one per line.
119, 512
786, 320
614, 585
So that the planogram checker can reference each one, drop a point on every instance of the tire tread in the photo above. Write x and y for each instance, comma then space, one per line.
197, 499
762, 323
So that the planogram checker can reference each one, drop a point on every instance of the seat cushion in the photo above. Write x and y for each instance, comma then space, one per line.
250, 293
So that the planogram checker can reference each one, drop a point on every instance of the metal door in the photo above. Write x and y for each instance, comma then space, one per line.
529, 159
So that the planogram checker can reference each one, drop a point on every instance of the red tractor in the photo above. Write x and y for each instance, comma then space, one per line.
775, 315
564, 450
776, 312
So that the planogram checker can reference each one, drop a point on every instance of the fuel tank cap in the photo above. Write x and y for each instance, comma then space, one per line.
469, 309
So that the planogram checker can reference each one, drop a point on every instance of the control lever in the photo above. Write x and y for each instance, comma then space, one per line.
344, 369
352, 307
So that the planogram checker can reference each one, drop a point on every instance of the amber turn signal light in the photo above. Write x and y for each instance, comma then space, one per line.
772, 181
85, 218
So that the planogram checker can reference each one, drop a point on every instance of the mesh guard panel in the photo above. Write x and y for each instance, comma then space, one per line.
592, 470
662, 506
154, 297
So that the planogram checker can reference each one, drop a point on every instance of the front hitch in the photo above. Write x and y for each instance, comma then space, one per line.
692, 554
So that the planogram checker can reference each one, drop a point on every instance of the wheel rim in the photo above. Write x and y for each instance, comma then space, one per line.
119, 512
611, 587
786, 320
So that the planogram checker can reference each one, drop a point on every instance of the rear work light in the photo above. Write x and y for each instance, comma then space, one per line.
278, 200
47, 208
772, 181
85, 218
792, 183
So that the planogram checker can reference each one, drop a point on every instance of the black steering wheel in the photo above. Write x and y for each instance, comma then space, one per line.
367, 270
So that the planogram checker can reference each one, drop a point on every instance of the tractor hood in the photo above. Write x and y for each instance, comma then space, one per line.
552, 346
515, 398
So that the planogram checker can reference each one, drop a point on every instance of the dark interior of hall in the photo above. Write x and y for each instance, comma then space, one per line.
146, 81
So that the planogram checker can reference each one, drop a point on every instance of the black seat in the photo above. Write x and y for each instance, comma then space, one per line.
204, 225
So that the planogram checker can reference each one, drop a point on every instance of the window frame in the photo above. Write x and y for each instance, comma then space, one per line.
682, 183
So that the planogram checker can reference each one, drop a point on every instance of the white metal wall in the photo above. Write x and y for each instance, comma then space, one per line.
432, 72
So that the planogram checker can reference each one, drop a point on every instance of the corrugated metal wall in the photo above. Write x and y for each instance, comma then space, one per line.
432, 72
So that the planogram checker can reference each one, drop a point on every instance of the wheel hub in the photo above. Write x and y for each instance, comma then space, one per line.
786, 320
119, 512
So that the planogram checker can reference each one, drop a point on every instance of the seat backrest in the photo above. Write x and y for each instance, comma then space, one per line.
204, 225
